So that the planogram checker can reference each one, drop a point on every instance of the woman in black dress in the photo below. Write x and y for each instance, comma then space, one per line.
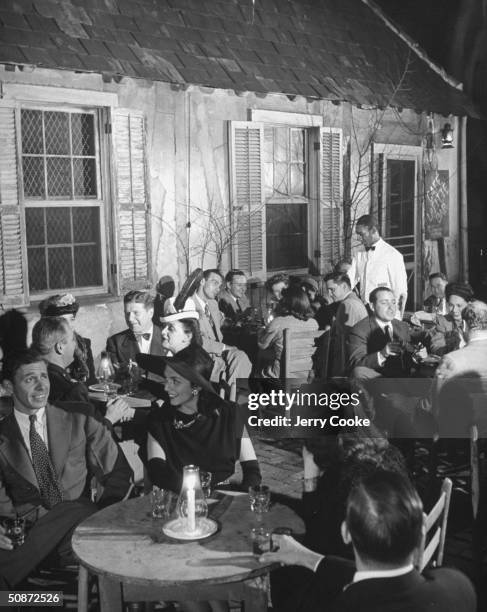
194, 425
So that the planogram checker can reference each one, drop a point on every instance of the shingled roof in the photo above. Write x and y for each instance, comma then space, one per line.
337, 50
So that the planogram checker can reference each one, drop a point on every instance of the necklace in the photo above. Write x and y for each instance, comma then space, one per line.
180, 424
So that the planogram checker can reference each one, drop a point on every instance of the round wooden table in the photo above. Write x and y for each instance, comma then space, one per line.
134, 561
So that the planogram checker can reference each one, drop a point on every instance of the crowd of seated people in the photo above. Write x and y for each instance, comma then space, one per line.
183, 352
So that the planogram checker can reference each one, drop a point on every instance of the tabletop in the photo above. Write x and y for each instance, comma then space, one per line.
120, 542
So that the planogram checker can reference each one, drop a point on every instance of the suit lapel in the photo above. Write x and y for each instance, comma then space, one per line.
129, 346
13, 446
156, 342
59, 436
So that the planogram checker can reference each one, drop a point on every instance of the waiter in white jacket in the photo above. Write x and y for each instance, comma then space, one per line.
379, 265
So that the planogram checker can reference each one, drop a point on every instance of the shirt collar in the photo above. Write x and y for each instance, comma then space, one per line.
23, 419
201, 302
382, 324
477, 335
368, 574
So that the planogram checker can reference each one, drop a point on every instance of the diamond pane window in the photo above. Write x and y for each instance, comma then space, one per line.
63, 207
59, 155
63, 247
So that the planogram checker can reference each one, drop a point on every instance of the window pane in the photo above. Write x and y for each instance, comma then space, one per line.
32, 132
84, 177
60, 268
37, 269
58, 225
281, 149
297, 179
297, 146
34, 224
281, 186
86, 224
57, 133
268, 179
87, 266
59, 177
268, 144
33, 171
287, 230
83, 134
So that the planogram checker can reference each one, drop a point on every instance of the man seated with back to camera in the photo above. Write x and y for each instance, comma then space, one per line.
54, 339
48, 455
383, 523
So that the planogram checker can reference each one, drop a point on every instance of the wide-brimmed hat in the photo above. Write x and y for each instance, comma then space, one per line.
188, 363
171, 314
59, 305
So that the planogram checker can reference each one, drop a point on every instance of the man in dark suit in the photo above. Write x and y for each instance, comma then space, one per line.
378, 344
48, 455
384, 521
232, 300
142, 336
55, 340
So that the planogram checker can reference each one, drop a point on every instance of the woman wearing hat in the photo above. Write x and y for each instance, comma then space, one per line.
194, 425
449, 332
293, 312
65, 305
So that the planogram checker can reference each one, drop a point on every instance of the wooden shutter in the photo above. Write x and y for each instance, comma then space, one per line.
247, 203
132, 209
13, 281
330, 195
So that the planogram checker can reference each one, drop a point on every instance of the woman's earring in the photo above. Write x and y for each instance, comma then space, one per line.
194, 391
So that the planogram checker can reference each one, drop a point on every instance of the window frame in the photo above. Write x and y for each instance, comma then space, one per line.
102, 201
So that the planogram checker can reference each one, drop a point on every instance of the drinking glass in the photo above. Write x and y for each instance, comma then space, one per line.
205, 478
105, 373
15, 530
260, 538
160, 503
260, 498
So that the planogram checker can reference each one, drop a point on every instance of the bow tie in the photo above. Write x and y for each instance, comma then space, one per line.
145, 336
372, 248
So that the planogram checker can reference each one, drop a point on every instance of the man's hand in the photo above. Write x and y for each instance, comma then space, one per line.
391, 349
119, 410
290, 552
5, 541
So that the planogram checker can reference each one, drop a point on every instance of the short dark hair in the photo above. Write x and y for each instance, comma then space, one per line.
463, 290
338, 278
47, 332
192, 326
374, 292
210, 271
16, 359
230, 275
340, 265
437, 275
277, 278
368, 221
140, 297
384, 517
295, 302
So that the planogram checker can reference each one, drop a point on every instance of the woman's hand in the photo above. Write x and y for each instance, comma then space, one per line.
119, 410
311, 470
290, 552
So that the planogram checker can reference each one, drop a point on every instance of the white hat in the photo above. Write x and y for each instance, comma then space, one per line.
170, 314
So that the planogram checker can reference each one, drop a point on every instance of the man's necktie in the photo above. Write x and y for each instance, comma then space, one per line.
210, 319
145, 336
239, 308
388, 333
43, 468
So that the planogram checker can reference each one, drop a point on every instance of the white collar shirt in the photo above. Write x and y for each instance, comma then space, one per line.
367, 575
23, 422
144, 344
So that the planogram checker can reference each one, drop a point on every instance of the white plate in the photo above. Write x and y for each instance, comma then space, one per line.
209, 527
100, 387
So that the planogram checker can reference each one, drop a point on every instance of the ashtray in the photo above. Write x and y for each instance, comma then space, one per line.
177, 529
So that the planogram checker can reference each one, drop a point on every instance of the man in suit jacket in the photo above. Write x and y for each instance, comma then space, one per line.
350, 311
142, 336
232, 300
55, 340
48, 455
373, 343
384, 520
228, 359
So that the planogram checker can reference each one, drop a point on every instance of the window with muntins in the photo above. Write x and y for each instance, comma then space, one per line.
63, 200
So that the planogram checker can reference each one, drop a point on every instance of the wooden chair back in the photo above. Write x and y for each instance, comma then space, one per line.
298, 350
431, 549
227, 391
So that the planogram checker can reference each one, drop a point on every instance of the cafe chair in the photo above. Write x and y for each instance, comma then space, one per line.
227, 391
431, 549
